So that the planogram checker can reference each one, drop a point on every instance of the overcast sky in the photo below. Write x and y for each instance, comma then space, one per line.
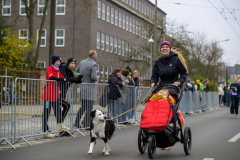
210, 21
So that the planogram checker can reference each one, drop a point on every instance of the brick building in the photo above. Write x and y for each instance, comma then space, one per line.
116, 29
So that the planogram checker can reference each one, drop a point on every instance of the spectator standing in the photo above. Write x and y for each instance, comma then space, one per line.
114, 81
190, 86
221, 93
200, 88
207, 89
88, 68
51, 98
227, 97
235, 89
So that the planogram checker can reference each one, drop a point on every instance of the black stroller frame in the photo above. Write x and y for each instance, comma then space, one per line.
150, 139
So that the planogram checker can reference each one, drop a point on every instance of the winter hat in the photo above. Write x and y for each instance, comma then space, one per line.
165, 43
189, 80
197, 81
55, 58
129, 69
71, 60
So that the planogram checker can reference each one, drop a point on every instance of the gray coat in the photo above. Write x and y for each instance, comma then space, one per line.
88, 68
124, 90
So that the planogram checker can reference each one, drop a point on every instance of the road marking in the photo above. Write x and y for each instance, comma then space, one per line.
208, 159
235, 138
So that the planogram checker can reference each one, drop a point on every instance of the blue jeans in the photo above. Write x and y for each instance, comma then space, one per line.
119, 111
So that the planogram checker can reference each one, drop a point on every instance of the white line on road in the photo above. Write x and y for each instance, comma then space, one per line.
235, 138
208, 159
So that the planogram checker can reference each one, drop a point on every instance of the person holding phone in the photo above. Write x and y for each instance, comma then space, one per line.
235, 89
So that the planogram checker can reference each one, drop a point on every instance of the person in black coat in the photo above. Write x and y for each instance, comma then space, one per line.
67, 70
114, 81
207, 85
168, 67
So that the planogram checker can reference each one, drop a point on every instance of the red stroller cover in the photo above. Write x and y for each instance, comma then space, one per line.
156, 115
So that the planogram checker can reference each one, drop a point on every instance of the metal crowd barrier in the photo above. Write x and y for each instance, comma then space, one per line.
26, 106
6, 110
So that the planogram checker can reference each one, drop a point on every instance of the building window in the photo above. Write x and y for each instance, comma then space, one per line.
130, 2
134, 26
129, 50
140, 30
145, 10
120, 19
136, 5
148, 12
123, 24
107, 43
112, 15
139, 7
41, 5
119, 47
22, 10
60, 7
102, 72
106, 73
133, 3
127, 1
142, 7
103, 11
116, 17
127, 23
111, 70
41, 64
43, 38
23, 37
6, 7
99, 9
130, 26
115, 45
111, 44
126, 48
123, 50
103, 41
108, 14
98, 40
59, 40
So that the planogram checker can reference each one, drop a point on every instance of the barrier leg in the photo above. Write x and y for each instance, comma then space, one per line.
8, 143
22, 139
77, 130
67, 132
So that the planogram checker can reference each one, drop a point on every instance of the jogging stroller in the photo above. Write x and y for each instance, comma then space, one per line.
165, 135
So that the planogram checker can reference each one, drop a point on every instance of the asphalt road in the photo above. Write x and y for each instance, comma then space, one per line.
211, 132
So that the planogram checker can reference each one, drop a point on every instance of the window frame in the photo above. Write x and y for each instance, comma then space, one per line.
106, 72
42, 38
99, 9
61, 6
120, 19
108, 13
134, 29
127, 19
123, 21
119, 46
19, 36
44, 64
40, 14
103, 11
112, 15
130, 24
10, 7
111, 44
102, 72
102, 41
107, 43
115, 49
22, 6
58, 38
136, 7
98, 40
123, 48
116, 17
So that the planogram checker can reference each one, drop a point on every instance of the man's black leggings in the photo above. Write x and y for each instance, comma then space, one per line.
234, 106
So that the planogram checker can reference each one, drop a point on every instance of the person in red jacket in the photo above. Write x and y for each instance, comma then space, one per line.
51, 97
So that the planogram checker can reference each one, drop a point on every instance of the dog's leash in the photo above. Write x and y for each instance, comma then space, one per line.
141, 103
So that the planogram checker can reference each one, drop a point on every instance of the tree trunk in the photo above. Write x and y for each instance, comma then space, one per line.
30, 34
52, 31
40, 32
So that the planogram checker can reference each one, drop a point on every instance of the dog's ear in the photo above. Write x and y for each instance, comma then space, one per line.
92, 114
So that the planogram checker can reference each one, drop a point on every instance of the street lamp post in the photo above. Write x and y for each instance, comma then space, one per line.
151, 41
215, 62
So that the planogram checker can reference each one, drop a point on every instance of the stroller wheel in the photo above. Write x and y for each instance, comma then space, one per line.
187, 140
151, 146
142, 141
